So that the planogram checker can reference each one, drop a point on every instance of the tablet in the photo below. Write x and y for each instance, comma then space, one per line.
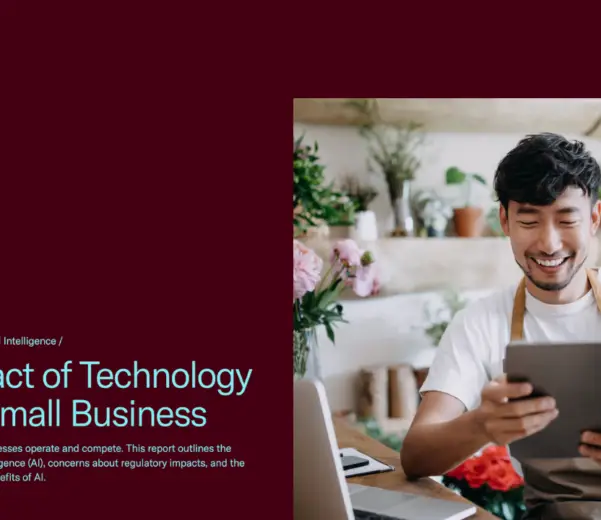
568, 372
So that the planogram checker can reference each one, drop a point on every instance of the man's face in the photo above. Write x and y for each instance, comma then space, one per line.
550, 243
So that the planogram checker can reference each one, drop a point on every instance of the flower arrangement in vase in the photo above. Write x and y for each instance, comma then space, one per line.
490, 481
316, 294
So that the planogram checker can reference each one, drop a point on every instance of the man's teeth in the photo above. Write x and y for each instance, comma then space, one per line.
549, 263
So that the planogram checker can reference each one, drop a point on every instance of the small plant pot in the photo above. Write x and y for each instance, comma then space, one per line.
366, 225
468, 221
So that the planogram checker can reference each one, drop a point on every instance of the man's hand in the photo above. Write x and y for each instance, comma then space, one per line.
594, 450
503, 422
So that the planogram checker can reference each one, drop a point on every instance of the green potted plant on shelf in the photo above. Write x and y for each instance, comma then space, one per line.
432, 211
339, 214
468, 218
362, 195
313, 201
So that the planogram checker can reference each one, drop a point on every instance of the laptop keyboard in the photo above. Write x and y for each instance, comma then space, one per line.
365, 515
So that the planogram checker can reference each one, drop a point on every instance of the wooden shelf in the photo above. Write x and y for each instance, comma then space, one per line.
567, 116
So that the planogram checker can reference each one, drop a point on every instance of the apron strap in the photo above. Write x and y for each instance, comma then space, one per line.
519, 309
519, 303
593, 278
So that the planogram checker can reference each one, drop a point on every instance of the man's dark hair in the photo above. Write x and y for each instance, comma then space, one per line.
541, 167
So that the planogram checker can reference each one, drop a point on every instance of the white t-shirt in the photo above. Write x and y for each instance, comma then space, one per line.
472, 349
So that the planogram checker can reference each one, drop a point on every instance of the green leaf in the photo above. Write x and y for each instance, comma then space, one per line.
479, 178
329, 332
455, 176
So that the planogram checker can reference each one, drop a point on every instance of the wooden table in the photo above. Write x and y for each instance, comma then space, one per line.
349, 437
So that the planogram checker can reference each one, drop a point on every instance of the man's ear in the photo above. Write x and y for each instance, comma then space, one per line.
595, 217
504, 219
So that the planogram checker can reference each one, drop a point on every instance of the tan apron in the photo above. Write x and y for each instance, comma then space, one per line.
559, 489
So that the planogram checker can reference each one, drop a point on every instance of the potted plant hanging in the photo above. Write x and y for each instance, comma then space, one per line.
468, 218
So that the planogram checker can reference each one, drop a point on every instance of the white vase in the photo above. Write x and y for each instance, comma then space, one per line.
366, 225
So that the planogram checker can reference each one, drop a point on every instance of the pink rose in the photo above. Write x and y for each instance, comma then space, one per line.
366, 281
347, 252
307, 269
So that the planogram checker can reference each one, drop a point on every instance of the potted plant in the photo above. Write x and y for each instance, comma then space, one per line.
362, 195
433, 212
313, 202
392, 150
316, 294
468, 218
339, 214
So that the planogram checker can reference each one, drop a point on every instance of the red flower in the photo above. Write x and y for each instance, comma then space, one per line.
457, 472
492, 467
476, 472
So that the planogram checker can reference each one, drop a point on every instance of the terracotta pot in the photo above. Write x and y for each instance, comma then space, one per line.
468, 221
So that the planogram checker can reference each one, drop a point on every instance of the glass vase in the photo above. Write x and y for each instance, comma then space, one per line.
401, 206
306, 355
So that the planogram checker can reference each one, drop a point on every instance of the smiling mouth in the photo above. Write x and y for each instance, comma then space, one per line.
550, 263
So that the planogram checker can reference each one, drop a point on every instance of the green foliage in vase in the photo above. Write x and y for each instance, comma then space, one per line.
392, 147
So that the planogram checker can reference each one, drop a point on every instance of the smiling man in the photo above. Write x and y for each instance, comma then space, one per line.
548, 189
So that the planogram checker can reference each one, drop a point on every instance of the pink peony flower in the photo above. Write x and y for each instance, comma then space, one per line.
307, 269
347, 252
366, 281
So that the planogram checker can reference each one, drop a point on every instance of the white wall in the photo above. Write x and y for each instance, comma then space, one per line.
389, 330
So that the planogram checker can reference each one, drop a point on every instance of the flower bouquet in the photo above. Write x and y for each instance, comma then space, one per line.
490, 481
316, 294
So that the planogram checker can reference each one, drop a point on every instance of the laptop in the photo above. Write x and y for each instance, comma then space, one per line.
321, 491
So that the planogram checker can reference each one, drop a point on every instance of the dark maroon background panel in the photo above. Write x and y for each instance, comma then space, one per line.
144, 215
